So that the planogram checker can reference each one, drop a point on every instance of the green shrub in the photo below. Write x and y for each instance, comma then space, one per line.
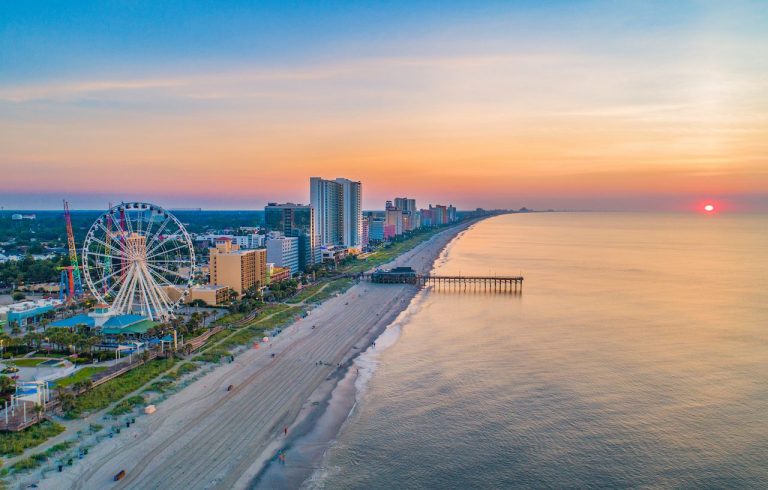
14, 443
25, 464
213, 355
187, 367
58, 448
127, 405
160, 386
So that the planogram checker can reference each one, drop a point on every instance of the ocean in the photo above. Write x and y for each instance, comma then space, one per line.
636, 356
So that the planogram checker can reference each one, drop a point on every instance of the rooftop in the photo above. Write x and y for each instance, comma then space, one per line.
209, 287
138, 327
73, 321
122, 321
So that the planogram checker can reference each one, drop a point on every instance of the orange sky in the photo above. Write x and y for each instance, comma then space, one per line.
654, 119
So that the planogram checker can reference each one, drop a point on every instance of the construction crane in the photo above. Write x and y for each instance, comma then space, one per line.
70, 276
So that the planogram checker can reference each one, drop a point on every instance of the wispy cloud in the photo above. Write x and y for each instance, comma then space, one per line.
196, 85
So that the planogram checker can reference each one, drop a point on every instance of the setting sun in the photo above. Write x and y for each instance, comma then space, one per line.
709, 208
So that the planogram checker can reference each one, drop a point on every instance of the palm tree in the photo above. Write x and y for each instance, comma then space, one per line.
66, 399
93, 342
39, 411
81, 342
144, 356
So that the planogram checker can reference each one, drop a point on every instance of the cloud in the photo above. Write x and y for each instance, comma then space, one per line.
204, 84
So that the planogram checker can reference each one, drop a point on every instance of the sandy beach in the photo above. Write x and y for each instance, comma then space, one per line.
208, 437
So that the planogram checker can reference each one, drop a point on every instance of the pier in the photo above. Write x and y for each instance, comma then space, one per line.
491, 284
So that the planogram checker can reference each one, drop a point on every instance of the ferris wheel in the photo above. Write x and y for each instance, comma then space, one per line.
138, 258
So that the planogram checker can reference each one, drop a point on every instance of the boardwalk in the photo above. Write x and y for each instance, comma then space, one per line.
23, 414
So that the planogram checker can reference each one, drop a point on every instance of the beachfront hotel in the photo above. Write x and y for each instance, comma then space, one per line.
237, 269
296, 220
283, 251
338, 211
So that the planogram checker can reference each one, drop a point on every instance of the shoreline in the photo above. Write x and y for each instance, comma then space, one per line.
311, 413
206, 436
314, 433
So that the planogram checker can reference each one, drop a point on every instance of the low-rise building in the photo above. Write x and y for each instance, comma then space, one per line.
253, 240
19, 217
277, 273
333, 253
210, 294
27, 312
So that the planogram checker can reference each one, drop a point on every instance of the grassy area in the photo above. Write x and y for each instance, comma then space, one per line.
160, 386
36, 460
216, 337
306, 293
127, 405
80, 375
183, 369
14, 443
31, 362
334, 287
253, 330
213, 355
111, 391
229, 318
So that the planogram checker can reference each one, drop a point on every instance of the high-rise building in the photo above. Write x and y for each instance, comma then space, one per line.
451, 213
237, 269
326, 196
416, 220
405, 204
366, 232
352, 227
439, 214
389, 232
283, 251
338, 211
296, 220
408, 207
394, 217
427, 217
375, 229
